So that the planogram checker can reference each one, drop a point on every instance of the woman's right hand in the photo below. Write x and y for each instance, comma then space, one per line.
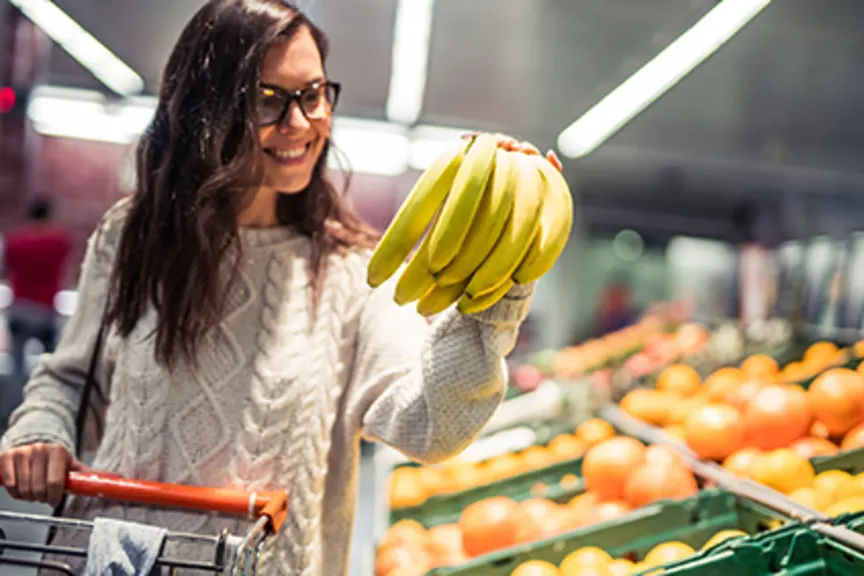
37, 472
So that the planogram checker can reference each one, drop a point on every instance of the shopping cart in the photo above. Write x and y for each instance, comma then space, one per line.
233, 555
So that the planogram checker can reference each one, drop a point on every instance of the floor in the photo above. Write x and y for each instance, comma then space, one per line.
362, 556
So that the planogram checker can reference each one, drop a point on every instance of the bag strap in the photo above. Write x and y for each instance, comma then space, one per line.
90, 384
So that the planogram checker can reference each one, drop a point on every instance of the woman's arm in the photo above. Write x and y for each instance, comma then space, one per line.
53, 393
428, 391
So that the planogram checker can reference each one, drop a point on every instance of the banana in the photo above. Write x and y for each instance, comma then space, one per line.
416, 280
488, 225
555, 224
462, 202
413, 217
439, 298
519, 232
468, 305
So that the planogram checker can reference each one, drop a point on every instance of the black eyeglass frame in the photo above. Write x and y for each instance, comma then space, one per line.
292, 96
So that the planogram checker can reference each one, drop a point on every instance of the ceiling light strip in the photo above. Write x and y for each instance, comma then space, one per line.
657, 76
409, 60
82, 46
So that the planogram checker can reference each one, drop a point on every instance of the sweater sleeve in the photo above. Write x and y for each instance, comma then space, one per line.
427, 391
53, 393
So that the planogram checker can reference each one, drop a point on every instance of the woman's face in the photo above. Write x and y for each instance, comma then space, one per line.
292, 146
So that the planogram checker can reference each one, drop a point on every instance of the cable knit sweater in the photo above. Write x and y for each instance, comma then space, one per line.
278, 402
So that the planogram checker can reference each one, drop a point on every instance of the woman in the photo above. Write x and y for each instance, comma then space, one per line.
245, 348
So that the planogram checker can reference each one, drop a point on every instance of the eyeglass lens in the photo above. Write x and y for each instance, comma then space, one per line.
315, 102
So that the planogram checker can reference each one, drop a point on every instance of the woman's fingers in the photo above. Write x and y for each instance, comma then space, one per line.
553, 158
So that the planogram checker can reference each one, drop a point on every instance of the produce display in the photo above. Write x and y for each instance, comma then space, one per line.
781, 431
487, 214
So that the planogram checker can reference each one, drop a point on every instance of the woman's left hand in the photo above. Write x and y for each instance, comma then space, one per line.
511, 144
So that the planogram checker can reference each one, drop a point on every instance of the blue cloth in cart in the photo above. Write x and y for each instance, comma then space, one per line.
120, 548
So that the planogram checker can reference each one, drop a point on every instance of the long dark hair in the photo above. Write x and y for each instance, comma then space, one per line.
196, 163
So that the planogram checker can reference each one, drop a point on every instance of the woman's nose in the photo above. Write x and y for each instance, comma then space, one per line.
294, 119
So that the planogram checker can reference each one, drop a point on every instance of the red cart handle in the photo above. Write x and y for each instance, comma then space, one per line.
273, 504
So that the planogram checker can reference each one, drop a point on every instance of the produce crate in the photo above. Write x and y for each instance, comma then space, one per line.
792, 551
693, 521
851, 462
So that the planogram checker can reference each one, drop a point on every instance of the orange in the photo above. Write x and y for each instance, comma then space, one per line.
744, 393
651, 406
589, 570
847, 506
794, 371
819, 430
832, 482
837, 399
585, 556
444, 540
621, 567
607, 466
784, 471
536, 568
722, 536
667, 552
676, 431
490, 524
404, 533
722, 383
503, 466
580, 505
679, 410
853, 489
777, 416
714, 431
860, 368
606, 510
741, 462
859, 349
407, 488
679, 379
566, 447
662, 454
809, 447
541, 519
536, 457
853, 439
569, 481
820, 354
594, 431
760, 367
811, 497
465, 476
659, 481
390, 560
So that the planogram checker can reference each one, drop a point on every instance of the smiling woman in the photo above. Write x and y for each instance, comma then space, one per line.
243, 347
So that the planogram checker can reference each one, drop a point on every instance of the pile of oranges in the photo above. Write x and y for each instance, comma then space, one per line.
755, 406
620, 474
411, 486
593, 561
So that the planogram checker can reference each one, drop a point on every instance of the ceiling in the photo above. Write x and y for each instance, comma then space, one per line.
774, 108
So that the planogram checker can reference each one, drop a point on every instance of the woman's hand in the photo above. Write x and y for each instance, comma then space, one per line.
37, 472
511, 144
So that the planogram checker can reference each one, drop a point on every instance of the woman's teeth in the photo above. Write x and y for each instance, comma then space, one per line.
290, 154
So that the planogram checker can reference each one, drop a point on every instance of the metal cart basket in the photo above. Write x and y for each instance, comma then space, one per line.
233, 555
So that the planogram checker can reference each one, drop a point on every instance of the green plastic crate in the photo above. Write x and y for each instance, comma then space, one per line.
791, 551
851, 462
693, 521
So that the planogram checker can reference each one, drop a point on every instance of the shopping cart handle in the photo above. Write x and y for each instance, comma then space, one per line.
273, 505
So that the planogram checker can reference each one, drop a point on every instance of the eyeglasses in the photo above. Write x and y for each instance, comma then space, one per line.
317, 101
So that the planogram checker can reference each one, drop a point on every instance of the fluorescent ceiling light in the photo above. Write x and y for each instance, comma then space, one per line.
369, 146
409, 60
82, 46
657, 76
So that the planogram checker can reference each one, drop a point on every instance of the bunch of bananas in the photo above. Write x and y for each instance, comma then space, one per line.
487, 215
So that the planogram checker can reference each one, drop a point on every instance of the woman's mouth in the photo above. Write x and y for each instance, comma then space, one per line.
291, 156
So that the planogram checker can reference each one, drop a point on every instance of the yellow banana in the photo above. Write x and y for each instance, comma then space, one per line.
468, 305
555, 224
439, 298
488, 225
462, 202
416, 280
413, 217
522, 227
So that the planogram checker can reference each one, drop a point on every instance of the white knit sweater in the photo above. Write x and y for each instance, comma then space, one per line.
277, 402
